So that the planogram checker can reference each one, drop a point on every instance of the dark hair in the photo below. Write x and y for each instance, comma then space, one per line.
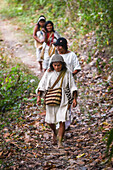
61, 42
49, 22
63, 65
41, 20
65, 47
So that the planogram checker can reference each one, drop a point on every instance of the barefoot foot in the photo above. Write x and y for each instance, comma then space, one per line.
60, 145
54, 139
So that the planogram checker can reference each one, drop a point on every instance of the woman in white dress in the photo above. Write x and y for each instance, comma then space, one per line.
51, 37
39, 36
57, 114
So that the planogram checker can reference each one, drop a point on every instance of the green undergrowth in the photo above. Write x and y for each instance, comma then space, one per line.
75, 20
27, 13
109, 151
17, 85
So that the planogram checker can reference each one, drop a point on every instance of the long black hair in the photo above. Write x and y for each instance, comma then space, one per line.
49, 22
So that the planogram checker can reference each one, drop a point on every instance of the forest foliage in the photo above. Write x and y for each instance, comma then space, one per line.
83, 17
78, 18
16, 84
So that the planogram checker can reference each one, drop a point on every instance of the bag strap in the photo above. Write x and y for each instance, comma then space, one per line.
59, 77
62, 78
50, 36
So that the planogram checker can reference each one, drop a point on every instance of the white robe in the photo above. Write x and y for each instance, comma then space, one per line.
57, 113
40, 35
46, 55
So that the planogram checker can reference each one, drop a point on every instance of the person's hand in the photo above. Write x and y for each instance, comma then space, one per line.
52, 43
75, 72
39, 100
69, 105
41, 41
74, 102
43, 30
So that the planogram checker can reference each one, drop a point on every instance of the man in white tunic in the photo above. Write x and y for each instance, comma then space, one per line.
71, 61
69, 57
57, 114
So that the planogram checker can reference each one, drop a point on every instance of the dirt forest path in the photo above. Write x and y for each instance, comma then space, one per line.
18, 45
30, 145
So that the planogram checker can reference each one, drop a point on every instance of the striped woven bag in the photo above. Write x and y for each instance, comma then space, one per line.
53, 96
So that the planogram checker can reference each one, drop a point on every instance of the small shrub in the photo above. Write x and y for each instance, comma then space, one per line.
14, 86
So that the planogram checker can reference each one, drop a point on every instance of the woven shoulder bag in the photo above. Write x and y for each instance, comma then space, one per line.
53, 96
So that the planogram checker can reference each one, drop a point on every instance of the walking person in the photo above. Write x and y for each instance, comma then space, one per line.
51, 37
59, 113
73, 65
69, 56
39, 36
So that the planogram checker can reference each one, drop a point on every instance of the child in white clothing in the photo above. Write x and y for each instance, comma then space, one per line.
59, 113
39, 36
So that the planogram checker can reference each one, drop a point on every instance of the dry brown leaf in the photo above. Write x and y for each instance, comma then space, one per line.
6, 135
1, 153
